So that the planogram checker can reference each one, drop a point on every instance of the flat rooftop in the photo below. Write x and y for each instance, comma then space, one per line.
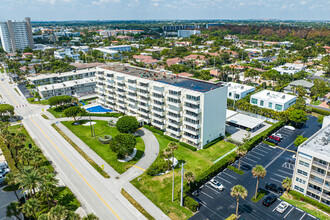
243, 120
238, 88
67, 84
165, 77
53, 75
273, 96
319, 144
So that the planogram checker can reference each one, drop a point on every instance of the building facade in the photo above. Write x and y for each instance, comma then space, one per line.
190, 110
16, 35
238, 91
311, 175
45, 79
67, 52
187, 33
277, 101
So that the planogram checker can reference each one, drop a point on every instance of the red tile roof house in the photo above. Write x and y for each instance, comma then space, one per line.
30, 68
214, 73
327, 49
145, 59
174, 61
198, 59
24, 55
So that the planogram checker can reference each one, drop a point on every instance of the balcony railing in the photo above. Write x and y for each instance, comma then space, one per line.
195, 110
319, 164
317, 173
318, 183
315, 191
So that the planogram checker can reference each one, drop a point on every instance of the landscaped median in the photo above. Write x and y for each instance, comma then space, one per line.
103, 150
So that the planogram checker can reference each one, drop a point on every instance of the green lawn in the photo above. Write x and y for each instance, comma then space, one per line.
305, 206
317, 102
159, 188
58, 113
103, 150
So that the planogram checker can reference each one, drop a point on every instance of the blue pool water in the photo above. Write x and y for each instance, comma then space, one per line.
98, 109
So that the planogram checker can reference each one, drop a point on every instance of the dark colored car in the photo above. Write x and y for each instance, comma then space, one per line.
271, 186
280, 190
272, 141
269, 200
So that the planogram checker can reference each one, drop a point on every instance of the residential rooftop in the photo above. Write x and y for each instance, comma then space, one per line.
66, 84
51, 75
273, 96
165, 77
238, 88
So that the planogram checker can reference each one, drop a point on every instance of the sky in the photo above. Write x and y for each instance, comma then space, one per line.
64, 10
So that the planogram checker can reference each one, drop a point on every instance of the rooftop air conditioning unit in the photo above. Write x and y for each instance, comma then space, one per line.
268, 93
283, 97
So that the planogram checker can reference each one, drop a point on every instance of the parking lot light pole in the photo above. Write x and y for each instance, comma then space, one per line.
182, 172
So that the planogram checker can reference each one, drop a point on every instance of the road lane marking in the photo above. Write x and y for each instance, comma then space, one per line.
285, 149
98, 195
288, 212
9, 93
279, 175
303, 216
139, 167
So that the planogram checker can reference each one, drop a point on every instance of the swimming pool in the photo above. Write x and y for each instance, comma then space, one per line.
98, 109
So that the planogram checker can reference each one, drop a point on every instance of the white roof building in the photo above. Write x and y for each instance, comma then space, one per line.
277, 101
238, 91
67, 52
289, 68
188, 33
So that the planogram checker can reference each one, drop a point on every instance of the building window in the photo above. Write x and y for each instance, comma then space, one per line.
229, 94
299, 189
278, 107
270, 105
303, 163
194, 98
236, 96
302, 172
262, 102
254, 101
300, 180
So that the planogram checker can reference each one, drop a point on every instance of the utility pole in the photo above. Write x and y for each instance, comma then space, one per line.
182, 173
173, 179
90, 123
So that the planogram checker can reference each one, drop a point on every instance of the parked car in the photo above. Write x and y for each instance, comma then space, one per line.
278, 139
273, 187
289, 127
269, 200
282, 207
278, 135
272, 141
215, 184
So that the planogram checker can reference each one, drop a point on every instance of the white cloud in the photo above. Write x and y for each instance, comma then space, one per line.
100, 2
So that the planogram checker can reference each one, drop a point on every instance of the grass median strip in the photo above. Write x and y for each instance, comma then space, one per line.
81, 152
240, 172
136, 205
17, 92
44, 116
260, 195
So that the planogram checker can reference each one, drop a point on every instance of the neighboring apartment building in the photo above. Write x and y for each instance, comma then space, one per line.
289, 68
311, 175
277, 101
76, 88
16, 35
44, 79
67, 52
238, 91
188, 33
190, 110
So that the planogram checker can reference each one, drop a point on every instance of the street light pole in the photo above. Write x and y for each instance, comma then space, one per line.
182, 172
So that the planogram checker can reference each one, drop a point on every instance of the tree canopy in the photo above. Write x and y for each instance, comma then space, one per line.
74, 112
123, 145
6, 109
127, 124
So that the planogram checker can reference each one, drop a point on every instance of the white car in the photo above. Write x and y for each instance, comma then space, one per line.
278, 135
215, 184
282, 207
289, 127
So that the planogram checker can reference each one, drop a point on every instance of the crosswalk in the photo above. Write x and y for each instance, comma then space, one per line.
31, 116
21, 106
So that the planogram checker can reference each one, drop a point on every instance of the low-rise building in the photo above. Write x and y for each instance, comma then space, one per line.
238, 91
289, 68
277, 101
75, 88
44, 79
311, 175
292, 87
188, 33
189, 110
67, 52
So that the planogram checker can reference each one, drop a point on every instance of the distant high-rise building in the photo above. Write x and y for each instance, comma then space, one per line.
16, 35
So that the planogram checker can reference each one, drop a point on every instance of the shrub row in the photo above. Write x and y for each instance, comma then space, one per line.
158, 167
240, 172
170, 138
108, 114
191, 204
320, 111
154, 130
311, 201
269, 143
10, 161
213, 142
188, 146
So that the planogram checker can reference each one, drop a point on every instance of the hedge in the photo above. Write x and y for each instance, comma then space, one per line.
154, 130
240, 172
269, 143
188, 146
170, 138
10, 161
299, 196
213, 142
320, 111
191, 204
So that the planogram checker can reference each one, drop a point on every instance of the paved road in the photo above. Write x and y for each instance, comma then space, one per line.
6, 198
319, 107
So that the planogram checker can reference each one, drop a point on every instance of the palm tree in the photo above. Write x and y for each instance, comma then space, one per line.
167, 153
31, 207
58, 212
286, 183
259, 172
236, 192
190, 177
13, 209
71, 215
45, 216
48, 187
173, 146
10, 179
241, 152
90, 216
29, 179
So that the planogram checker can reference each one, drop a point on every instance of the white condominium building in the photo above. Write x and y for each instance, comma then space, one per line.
67, 52
277, 101
190, 110
238, 91
44, 79
75, 88
311, 175
16, 35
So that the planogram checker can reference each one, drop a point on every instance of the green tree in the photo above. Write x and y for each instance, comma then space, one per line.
241, 152
31, 207
127, 124
301, 91
58, 212
286, 183
237, 192
6, 109
168, 153
29, 178
74, 112
13, 209
190, 177
123, 145
90, 216
48, 187
297, 117
259, 172
299, 140
320, 119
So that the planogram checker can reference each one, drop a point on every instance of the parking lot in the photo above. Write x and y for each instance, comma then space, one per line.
279, 165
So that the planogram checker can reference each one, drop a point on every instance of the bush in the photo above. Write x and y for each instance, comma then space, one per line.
9, 159
170, 138
127, 124
269, 143
299, 196
106, 139
154, 130
188, 146
123, 145
158, 167
321, 111
240, 172
191, 204
213, 142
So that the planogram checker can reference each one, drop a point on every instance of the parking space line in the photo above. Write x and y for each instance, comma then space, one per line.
276, 180
220, 217
229, 175
311, 216
246, 163
262, 151
258, 153
249, 159
285, 172
279, 175
274, 209
223, 179
303, 216
288, 212
207, 195
253, 156
208, 187
264, 147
